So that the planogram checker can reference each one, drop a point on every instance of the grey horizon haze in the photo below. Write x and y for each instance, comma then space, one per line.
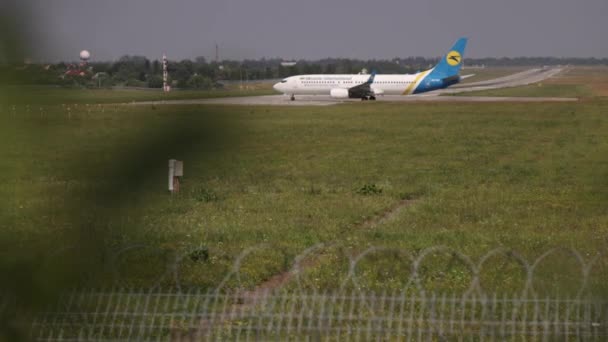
316, 29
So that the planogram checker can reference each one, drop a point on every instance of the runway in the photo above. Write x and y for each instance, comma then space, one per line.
515, 80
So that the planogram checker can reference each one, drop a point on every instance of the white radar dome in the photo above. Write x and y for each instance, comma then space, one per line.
85, 55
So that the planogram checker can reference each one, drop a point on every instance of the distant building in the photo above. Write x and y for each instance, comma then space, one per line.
81, 69
77, 70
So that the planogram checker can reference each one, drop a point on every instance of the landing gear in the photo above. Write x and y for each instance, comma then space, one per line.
293, 97
373, 98
365, 98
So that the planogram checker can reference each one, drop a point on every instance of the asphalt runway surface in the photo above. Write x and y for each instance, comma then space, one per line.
515, 80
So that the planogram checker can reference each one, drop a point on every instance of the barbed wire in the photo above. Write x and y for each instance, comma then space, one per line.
412, 275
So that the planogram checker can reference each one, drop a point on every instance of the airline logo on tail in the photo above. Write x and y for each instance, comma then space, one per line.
453, 58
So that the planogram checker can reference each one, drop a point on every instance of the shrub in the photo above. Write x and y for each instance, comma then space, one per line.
199, 254
205, 195
369, 189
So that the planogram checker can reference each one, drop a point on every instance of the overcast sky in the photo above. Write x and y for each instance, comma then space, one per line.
313, 29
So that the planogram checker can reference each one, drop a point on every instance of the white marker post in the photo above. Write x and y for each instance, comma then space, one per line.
176, 170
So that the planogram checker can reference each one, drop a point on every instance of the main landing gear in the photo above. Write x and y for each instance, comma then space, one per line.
365, 98
293, 97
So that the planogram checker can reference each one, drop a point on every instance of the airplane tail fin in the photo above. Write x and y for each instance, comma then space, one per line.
451, 63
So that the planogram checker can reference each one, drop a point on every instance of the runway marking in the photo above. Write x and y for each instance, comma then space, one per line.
312, 100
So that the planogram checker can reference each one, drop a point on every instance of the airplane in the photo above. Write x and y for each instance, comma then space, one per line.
367, 87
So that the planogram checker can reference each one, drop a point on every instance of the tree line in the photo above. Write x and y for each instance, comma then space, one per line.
139, 71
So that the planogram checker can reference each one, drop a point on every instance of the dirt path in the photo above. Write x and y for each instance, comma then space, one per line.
246, 300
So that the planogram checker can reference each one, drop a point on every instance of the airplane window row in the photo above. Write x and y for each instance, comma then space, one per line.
317, 82
377, 82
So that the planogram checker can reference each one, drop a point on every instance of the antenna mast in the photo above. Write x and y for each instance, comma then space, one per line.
166, 86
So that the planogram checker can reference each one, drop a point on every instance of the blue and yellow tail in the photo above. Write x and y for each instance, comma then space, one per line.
445, 73
451, 63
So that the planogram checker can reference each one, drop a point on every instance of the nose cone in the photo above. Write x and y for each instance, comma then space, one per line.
278, 87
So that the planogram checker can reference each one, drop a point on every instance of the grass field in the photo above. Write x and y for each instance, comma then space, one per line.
58, 95
476, 176
536, 90
581, 82
594, 78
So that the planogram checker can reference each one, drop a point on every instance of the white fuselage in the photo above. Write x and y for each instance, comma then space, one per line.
389, 84
366, 87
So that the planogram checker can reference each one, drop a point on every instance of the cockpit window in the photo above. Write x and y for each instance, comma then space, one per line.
284, 81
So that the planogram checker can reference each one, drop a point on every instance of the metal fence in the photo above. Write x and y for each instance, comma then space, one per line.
289, 307
137, 315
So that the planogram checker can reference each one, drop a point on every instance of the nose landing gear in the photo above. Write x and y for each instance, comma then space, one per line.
293, 97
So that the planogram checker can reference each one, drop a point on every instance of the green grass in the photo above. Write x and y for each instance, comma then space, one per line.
523, 176
12, 95
535, 90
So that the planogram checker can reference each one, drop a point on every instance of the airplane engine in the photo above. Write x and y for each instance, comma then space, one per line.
339, 93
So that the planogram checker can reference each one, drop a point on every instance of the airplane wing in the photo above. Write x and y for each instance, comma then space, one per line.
363, 89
